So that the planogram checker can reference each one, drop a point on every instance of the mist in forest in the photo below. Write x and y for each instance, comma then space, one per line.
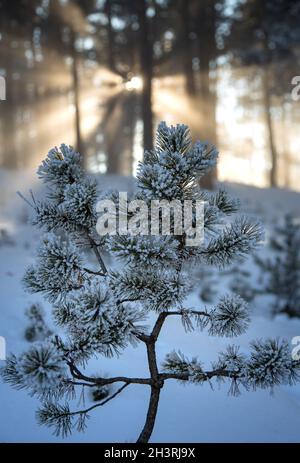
100, 75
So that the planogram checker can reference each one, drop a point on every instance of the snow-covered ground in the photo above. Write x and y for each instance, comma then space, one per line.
187, 413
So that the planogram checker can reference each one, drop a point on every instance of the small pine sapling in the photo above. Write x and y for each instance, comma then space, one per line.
240, 282
280, 274
206, 279
102, 311
37, 330
5, 238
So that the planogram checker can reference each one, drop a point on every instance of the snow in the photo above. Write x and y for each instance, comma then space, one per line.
187, 413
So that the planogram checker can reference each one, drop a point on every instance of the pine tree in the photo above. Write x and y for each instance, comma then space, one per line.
281, 274
102, 311
207, 281
37, 330
240, 282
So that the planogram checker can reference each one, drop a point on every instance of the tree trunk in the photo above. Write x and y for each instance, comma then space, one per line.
207, 53
151, 416
155, 392
285, 146
8, 114
9, 105
269, 126
130, 118
110, 37
76, 89
187, 48
112, 127
146, 60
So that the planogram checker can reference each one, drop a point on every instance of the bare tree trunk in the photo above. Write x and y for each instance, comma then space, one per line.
76, 89
8, 106
269, 126
110, 36
146, 60
9, 110
147, 113
207, 53
187, 48
112, 125
130, 117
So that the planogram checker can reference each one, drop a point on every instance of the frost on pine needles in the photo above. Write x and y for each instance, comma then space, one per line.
100, 311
